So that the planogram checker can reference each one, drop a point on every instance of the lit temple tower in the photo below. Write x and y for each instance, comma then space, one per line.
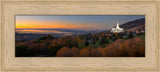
117, 29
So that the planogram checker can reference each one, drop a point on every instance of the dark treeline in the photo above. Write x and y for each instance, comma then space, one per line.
104, 44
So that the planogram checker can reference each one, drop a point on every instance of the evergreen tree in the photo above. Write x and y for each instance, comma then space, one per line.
93, 41
106, 41
114, 38
86, 43
49, 37
130, 35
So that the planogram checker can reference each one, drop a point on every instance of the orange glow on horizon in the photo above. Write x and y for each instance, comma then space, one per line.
37, 24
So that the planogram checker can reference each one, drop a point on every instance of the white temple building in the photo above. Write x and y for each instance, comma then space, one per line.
117, 29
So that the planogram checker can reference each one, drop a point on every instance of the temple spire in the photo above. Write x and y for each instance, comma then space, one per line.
117, 25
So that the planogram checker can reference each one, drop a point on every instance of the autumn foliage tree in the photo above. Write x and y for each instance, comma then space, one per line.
68, 52
128, 48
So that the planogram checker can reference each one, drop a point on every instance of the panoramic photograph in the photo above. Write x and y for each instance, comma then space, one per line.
80, 36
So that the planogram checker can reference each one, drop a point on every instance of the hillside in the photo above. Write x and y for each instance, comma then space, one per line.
138, 24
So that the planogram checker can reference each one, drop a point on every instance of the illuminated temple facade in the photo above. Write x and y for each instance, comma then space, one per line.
117, 29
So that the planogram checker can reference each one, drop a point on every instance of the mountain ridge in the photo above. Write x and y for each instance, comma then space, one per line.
138, 24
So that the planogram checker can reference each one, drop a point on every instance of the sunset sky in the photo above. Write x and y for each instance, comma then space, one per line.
81, 22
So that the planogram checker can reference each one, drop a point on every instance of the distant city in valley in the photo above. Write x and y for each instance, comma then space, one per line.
33, 34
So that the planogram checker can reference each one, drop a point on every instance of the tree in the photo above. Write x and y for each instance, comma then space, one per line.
86, 43
93, 41
49, 37
114, 37
130, 35
68, 41
21, 51
110, 37
53, 49
117, 36
86, 52
64, 52
68, 52
104, 40
98, 52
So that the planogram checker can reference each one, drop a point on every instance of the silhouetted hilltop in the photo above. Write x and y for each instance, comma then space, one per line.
138, 24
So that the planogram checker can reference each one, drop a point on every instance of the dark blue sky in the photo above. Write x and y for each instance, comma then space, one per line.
97, 21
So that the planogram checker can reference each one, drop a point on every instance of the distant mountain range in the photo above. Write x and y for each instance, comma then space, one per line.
138, 24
